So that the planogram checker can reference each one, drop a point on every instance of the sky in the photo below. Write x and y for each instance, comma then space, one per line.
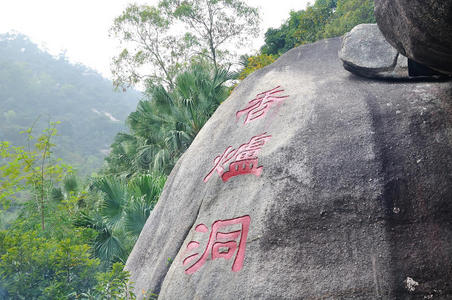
80, 27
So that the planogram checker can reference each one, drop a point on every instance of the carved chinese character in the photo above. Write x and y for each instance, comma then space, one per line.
241, 161
259, 106
222, 244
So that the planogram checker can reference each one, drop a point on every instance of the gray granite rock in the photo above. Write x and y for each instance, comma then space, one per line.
350, 197
366, 52
419, 29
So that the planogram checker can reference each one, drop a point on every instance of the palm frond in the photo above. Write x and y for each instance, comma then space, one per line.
70, 184
136, 215
114, 198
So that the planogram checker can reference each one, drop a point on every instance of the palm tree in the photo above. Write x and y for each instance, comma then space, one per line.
123, 151
122, 213
166, 125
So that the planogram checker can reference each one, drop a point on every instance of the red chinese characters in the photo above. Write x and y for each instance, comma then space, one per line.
225, 239
222, 244
242, 160
259, 106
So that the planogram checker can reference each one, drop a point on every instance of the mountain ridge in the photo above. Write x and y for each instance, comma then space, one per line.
38, 88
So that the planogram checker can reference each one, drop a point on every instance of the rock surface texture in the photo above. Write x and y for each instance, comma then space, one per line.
366, 52
419, 29
327, 186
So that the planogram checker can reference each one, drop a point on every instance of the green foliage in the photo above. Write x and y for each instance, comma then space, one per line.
12, 170
163, 128
326, 18
254, 63
145, 191
33, 169
49, 263
349, 13
70, 184
312, 21
56, 261
34, 266
114, 284
122, 211
56, 194
115, 197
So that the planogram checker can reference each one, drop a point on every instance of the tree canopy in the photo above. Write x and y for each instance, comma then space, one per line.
323, 19
164, 126
166, 38
214, 23
145, 32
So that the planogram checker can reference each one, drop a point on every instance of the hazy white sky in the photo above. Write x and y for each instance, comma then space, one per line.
81, 26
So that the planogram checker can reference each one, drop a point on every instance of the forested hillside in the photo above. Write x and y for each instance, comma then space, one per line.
36, 88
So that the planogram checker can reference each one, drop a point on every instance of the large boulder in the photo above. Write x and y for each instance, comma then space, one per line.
366, 52
419, 29
308, 183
